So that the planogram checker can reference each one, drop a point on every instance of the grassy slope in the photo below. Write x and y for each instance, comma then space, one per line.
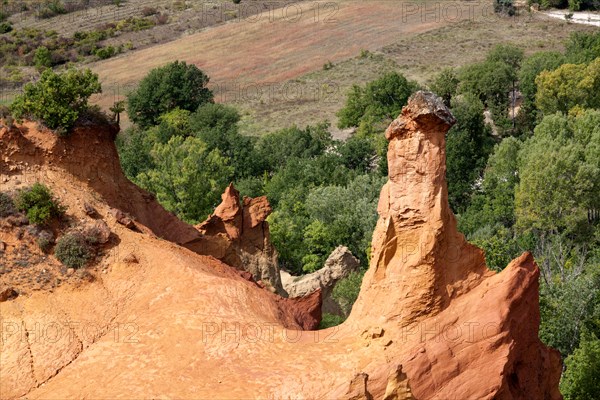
420, 57
270, 48
271, 68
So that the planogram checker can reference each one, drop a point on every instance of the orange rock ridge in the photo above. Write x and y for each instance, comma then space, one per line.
431, 321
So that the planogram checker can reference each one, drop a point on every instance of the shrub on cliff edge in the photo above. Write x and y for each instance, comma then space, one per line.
57, 99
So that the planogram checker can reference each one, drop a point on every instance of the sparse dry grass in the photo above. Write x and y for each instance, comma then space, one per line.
270, 48
272, 68
419, 56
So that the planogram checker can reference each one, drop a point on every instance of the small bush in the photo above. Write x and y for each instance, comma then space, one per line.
45, 241
106, 52
73, 251
39, 204
42, 58
148, 11
7, 206
5, 27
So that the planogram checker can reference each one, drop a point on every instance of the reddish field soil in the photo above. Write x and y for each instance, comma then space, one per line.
278, 45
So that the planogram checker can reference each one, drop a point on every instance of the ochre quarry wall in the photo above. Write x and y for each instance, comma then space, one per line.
431, 321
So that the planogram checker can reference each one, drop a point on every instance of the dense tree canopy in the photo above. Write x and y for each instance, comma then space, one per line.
445, 85
188, 178
381, 99
467, 147
176, 85
580, 381
559, 175
569, 86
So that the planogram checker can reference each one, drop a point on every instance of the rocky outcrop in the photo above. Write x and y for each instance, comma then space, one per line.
431, 321
426, 280
238, 234
90, 158
338, 266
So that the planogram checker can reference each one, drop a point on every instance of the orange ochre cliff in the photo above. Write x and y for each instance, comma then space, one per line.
165, 317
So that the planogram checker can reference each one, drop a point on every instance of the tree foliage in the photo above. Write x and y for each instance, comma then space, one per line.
381, 99
569, 86
57, 99
467, 148
188, 179
216, 125
275, 150
176, 85
559, 175
583, 47
39, 204
580, 381
445, 85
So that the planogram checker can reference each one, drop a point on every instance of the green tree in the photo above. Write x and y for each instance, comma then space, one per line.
278, 148
382, 99
187, 179
176, 85
581, 379
445, 85
358, 153
559, 90
559, 174
217, 126
134, 148
57, 99
42, 58
569, 86
306, 231
508, 54
494, 205
304, 174
175, 122
570, 293
532, 66
583, 47
492, 82
468, 146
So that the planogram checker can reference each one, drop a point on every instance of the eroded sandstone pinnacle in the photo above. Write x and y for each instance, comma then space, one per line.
417, 249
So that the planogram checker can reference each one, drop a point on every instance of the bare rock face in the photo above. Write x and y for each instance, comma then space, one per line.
338, 266
238, 234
